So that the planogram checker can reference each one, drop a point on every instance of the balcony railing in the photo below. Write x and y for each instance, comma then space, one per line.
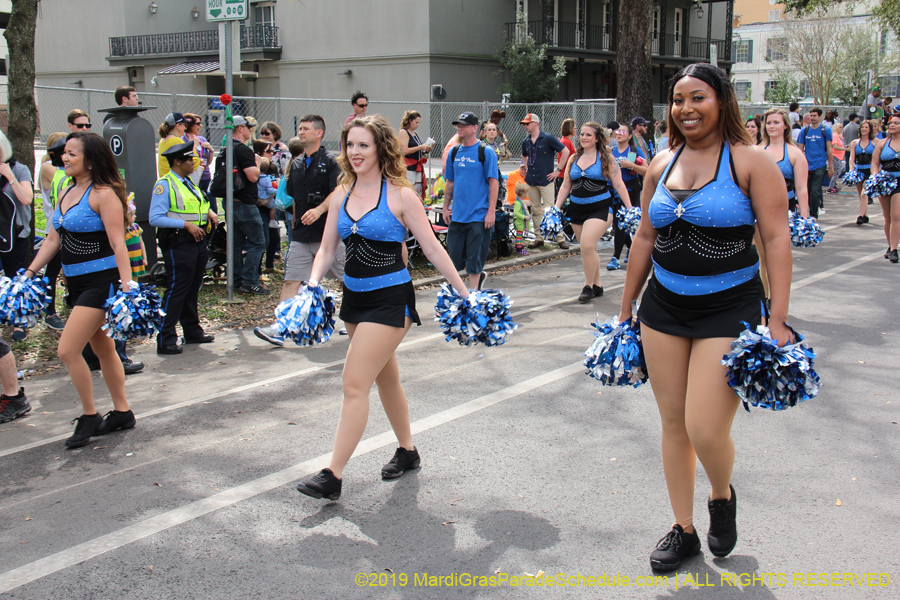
561, 34
189, 42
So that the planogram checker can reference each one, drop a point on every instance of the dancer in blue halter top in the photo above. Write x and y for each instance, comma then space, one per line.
701, 200
88, 230
887, 158
378, 307
589, 175
861, 152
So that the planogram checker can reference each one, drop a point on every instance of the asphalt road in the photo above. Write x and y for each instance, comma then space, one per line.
529, 466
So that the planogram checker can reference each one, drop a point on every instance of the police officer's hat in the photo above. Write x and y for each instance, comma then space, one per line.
180, 152
55, 151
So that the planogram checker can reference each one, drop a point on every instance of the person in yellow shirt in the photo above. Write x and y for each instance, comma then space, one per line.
171, 131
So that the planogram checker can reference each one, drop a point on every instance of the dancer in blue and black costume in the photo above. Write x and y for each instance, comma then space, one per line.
373, 207
886, 157
861, 152
791, 161
88, 230
590, 175
701, 200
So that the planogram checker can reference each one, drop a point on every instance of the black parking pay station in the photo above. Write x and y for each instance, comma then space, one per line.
133, 144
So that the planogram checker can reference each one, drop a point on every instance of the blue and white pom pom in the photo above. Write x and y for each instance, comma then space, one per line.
23, 300
616, 357
553, 222
880, 184
853, 177
766, 376
134, 314
629, 219
482, 318
805, 233
308, 317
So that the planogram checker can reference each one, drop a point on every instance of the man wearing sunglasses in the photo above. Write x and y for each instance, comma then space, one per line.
78, 120
360, 103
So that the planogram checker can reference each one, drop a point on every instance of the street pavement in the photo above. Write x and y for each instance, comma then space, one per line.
532, 473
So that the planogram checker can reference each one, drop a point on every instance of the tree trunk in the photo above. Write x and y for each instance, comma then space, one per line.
633, 66
19, 36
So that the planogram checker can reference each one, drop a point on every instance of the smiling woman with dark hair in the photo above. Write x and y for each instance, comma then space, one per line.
702, 200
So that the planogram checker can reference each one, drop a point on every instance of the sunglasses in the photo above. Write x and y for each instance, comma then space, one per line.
82, 125
265, 133
363, 105
621, 132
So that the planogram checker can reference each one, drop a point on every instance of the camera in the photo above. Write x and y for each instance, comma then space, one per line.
314, 199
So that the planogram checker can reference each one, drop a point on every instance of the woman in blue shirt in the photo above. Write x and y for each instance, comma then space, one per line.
88, 229
633, 171
371, 210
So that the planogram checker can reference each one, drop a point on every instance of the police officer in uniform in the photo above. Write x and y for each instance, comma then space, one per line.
180, 212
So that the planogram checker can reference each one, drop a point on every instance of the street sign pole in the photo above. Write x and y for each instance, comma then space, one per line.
228, 11
229, 170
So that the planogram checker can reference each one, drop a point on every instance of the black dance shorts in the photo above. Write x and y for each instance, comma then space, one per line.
579, 213
716, 315
387, 306
92, 289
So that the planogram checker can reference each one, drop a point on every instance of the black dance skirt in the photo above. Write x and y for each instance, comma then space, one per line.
387, 306
579, 213
716, 315
92, 289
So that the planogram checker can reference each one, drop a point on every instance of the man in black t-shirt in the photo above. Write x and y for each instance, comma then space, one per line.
246, 221
312, 178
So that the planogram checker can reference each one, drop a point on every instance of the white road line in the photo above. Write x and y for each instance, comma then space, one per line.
264, 382
103, 544
834, 271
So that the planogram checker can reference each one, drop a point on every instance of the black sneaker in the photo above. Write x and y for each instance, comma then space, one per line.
13, 407
894, 257
859, 220
321, 485
404, 460
865, 218
85, 427
598, 291
256, 290
115, 421
132, 366
722, 535
586, 294
888, 253
54, 322
674, 548
481, 279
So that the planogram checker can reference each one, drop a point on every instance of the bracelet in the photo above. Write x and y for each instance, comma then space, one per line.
33, 272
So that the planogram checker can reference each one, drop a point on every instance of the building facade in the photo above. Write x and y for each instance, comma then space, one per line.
422, 50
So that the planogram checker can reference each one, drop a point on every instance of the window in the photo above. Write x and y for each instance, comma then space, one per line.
774, 15
742, 51
776, 49
264, 14
770, 86
742, 90
890, 85
656, 21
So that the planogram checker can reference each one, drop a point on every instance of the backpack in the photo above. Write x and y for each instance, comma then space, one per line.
501, 190
217, 185
8, 229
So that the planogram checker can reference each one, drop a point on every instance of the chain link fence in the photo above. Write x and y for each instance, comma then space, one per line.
55, 103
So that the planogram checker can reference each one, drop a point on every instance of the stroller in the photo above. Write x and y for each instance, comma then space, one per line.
217, 246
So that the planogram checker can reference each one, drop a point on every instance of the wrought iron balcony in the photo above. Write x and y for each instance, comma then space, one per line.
191, 42
598, 38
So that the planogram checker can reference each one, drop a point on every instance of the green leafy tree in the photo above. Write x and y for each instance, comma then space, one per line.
786, 88
885, 12
530, 78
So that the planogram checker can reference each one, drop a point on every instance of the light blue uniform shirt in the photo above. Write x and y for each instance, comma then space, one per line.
159, 203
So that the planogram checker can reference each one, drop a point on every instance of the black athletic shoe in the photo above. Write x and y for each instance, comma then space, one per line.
115, 421
13, 407
674, 548
894, 258
722, 535
859, 220
888, 253
85, 427
321, 485
598, 291
865, 218
481, 279
132, 366
586, 294
404, 460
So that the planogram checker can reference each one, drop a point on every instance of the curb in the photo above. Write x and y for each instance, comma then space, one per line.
531, 258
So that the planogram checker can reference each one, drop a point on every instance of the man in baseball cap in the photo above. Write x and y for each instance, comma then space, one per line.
639, 128
466, 118
539, 151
